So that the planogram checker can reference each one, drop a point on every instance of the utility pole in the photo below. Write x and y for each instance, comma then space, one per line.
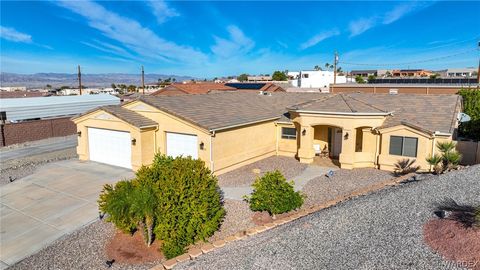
79, 80
143, 81
478, 70
335, 61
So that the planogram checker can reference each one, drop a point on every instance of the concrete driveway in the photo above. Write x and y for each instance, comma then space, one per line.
57, 199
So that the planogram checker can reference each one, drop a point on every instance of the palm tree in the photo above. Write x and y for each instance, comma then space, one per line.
434, 161
143, 208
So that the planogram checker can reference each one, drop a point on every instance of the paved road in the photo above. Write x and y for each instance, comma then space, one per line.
378, 231
40, 147
57, 199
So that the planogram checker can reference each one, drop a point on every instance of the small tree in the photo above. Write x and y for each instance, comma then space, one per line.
242, 77
272, 193
279, 76
371, 78
359, 79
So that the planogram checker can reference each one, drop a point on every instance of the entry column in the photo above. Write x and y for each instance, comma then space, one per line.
347, 157
306, 152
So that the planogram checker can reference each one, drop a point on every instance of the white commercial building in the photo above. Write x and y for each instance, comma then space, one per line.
13, 88
314, 79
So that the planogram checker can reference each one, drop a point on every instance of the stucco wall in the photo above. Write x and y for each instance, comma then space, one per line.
286, 147
244, 145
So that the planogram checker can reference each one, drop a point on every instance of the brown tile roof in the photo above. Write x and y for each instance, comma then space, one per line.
21, 94
340, 103
191, 88
221, 110
126, 115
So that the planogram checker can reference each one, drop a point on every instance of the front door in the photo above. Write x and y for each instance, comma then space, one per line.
337, 142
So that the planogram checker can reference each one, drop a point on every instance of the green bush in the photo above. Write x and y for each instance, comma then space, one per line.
448, 160
173, 200
471, 105
272, 193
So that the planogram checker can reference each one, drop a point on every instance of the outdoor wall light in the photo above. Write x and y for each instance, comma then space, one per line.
79, 134
304, 132
345, 136
134, 141
202, 146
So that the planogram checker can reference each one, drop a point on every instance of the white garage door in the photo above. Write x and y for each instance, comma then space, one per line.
181, 145
110, 147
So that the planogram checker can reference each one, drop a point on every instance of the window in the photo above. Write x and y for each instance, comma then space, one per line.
289, 133
403, 146
305, 76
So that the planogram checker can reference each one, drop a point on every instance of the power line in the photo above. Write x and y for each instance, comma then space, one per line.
408, 63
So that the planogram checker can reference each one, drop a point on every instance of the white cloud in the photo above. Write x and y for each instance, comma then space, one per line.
236, 45
13, 35
319, 38
132, 34
359, 26
162, 11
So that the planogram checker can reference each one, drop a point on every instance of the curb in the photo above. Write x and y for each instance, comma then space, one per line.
241, 235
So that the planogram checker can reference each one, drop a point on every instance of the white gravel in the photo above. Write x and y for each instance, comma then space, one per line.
382, 230
322, 188
244, 176
83, 249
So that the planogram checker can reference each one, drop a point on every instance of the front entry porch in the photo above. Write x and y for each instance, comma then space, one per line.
347, 142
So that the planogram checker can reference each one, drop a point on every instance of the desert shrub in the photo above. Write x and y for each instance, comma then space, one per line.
448, 160
465, 214
174, 200
272, 193
405, 166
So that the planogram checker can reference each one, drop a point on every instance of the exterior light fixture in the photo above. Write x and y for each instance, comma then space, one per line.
202, 146
134, 141
79, 134
345, 136
304, 132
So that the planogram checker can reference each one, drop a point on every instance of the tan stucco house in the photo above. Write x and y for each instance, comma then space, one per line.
231, 129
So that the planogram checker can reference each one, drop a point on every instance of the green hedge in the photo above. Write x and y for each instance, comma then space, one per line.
173, 200
272, 193
471, 104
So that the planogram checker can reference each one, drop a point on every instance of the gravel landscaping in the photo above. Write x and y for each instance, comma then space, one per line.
245, 176
83, 249
382, 230
18, 168
322, 188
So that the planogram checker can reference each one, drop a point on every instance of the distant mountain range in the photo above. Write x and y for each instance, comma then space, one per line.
40, 80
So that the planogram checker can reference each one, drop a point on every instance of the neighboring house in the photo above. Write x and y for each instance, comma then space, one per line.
205, 88
411, 73
314, 79
458, 72
13, 88
364, 73
231, 129
191, 88
21, 94
36, 118
260, 78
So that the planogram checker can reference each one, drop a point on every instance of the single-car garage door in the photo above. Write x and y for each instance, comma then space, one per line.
110, 147
181, 145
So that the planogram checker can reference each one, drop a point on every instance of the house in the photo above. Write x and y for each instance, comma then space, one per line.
411, 73
205, 88
364, 73
260, 78
314, 79
231, 129
458, 73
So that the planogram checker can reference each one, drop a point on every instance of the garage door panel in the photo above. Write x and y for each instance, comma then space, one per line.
182, 145
110, 147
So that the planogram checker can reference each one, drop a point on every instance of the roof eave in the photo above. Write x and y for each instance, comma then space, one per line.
341, 113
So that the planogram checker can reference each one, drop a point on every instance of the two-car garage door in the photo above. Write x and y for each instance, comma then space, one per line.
114, 147
110, 147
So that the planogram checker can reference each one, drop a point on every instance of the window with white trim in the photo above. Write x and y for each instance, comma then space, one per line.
403, 146
289, 133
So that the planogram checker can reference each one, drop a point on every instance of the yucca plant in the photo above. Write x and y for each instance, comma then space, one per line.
434, 161
445, 147
405, 166
452, 159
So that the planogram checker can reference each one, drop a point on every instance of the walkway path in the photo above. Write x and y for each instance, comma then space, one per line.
312, 171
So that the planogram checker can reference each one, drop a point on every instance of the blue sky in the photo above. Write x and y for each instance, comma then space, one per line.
207, 39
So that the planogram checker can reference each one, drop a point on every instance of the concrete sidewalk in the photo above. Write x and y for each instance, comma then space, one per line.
312, 171
57, 199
